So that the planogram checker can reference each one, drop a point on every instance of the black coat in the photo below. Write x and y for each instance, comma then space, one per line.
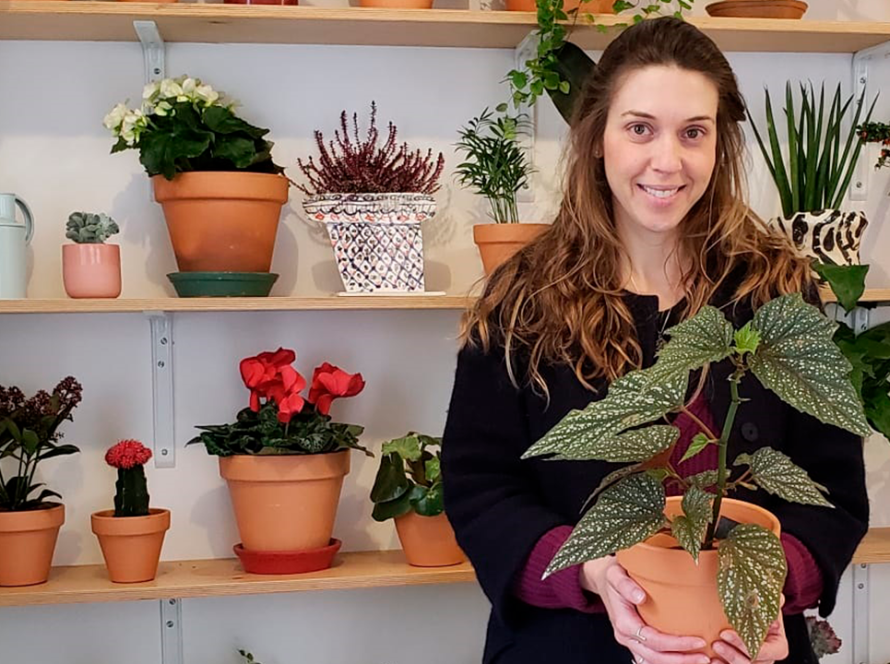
500, 505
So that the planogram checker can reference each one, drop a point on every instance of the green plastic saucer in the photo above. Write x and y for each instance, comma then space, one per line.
222, 284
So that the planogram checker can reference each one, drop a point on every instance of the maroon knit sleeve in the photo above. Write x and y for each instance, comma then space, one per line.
561, 590
803, 585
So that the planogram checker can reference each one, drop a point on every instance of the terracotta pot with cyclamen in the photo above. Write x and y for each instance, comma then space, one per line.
408, 489
29, 521
91, 268
132, 534
284, 460
497, 167
706, 562
212, 173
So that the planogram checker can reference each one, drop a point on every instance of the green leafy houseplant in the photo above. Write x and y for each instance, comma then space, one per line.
279, 420
29, 435
788, 347
90, 228
559, 67
408, 478
184, 125
496, 165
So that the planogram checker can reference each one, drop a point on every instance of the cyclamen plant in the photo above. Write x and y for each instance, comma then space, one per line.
131, 489
28, 435
363, 166
409, 478
279, 420
788, 347
90, 228
184, 125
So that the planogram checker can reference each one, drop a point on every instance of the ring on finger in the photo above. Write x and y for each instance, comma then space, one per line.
639, 635
639, 660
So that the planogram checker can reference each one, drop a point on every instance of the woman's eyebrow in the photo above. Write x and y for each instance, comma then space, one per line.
649, 116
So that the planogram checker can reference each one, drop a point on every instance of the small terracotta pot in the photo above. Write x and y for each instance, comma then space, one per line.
91, 270
285, 502
131, 545
682, 596
498, 242
222, 221
27, 543
591, 7
428, 541
790, 9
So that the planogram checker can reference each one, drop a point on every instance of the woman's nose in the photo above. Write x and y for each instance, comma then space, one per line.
667, 155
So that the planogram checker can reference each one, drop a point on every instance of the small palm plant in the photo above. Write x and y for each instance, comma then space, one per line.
788, 347
496, 164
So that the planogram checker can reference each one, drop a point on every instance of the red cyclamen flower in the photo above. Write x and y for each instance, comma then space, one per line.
270, 376
329, 383
127, 454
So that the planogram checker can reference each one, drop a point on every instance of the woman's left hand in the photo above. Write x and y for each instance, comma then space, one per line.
731, 649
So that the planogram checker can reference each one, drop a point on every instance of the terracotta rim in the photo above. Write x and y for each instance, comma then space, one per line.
284, 467
31, 520
238, 185
105, 523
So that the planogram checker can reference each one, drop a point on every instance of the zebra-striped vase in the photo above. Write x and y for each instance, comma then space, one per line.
829, 236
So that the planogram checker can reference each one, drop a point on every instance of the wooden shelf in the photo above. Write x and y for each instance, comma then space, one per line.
333, 302
220, 23
875, 548
224, 577
872, 296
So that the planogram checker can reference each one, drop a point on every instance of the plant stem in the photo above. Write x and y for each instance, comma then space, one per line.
701, 425
722, 446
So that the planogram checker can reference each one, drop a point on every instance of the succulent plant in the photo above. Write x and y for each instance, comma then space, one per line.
90, 228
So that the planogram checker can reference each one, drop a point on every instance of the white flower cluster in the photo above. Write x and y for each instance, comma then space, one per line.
157, 99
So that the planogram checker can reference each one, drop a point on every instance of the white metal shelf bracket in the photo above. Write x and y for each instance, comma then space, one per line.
162, 388
153, 50
171, 631
857, 320
861, 59
526, 50
860, 614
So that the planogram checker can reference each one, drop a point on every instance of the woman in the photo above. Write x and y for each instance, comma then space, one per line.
652, 226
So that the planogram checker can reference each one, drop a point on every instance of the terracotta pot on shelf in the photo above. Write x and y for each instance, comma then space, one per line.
285, 503
222, 221
591, 7
91, 270
791, 9
498, 242
131, 545
682, 596
27, 543
428, 541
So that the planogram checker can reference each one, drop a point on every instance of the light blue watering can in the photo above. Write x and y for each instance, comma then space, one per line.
14, 240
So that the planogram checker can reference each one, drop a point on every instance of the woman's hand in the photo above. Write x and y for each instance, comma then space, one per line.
732, 650
620, 595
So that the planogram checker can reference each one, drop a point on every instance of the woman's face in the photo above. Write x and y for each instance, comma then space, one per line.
659, 148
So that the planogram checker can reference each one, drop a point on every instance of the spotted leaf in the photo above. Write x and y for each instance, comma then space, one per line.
690, 528
750, 576
776, 473
704, 338
625, 514
798, 360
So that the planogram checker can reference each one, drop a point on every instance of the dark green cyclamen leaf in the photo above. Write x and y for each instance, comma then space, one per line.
706, 337
690, 528
590, 433
699, 442
408, 447
777, 474
391, 482
392, 508
847, 282
625, 514
750, 578
798, 360
432, 503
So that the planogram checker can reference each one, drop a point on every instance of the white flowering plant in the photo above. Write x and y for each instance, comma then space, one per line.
184, 125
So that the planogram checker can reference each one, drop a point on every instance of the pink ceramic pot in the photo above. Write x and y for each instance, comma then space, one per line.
91, 270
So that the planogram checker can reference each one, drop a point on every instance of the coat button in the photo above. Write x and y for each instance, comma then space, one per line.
749, 432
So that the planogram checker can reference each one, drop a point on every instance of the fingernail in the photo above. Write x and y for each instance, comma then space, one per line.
701, 643
639, 596
704, 660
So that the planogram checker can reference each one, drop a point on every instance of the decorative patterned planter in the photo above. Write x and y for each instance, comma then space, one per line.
377, 239
829, 236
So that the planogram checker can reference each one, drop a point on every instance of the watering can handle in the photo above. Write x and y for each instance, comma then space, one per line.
29, 219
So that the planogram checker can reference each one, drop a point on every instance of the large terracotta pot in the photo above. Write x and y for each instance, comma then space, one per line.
498, 242
131, 545
285, 502
428, 541
222, 221
27, 543
590, 7
91, 270
792, 9
682, 596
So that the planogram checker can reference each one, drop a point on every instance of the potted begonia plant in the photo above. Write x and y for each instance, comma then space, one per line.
284, 459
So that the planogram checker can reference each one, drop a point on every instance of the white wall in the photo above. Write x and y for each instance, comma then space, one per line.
54, 153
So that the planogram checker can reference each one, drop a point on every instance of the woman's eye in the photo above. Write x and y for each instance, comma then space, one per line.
639, 129
694, 133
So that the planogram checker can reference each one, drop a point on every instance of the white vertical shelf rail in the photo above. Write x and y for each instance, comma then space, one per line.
860, 615
153, 50
861, 60
171, 631
162, 388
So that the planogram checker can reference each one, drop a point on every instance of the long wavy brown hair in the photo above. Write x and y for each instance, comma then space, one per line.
560, 299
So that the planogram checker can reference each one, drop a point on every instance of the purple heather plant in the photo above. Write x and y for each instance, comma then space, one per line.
822, 637
349, 164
